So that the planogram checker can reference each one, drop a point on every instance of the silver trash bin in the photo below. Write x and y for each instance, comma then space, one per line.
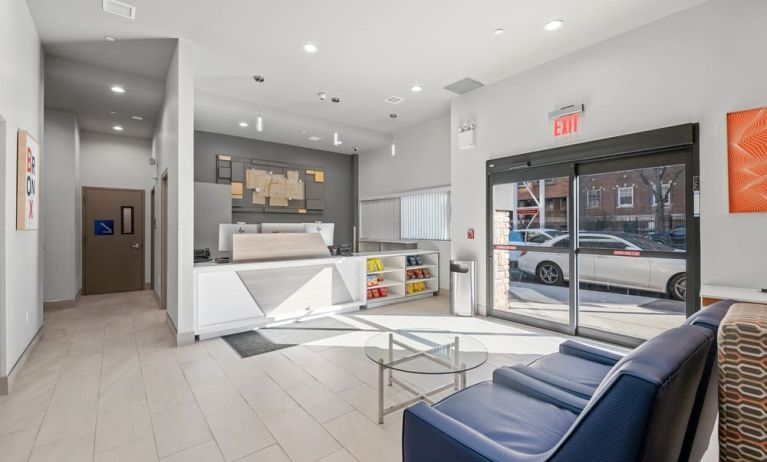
463, 294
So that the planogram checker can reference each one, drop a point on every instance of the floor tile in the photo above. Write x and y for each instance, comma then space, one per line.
339, 456
16, 447
75, 449
217, 396
267, 398
270, 454
179, 428
123, 425
207, 452
319, 402
301, 437
142, 450
364, 439
239, 432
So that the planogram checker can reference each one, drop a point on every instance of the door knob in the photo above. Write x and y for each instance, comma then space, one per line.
135, 246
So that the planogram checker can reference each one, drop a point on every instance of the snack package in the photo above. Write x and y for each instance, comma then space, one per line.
411, 261
426, 273
383, 291
418, 260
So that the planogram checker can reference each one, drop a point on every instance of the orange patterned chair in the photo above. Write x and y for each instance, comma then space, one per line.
743, 384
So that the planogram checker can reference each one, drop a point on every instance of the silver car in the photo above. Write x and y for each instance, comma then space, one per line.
664, 275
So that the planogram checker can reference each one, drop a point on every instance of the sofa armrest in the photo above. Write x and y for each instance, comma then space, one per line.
431, 436
589, 353
577, 389
539, 390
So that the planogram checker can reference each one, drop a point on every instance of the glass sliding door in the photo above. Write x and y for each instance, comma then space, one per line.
632, 243
531, 248
595, 248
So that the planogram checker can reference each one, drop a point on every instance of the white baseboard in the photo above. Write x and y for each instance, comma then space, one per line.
182, 338
6, 383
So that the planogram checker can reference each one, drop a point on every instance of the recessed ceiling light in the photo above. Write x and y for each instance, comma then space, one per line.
310, 48
135, 117
393, 115
553, 25
117, 128
113, 112
416, 88
498, 31
244, 124
315, 138
117, 89
109, 38
258, 78
393, 149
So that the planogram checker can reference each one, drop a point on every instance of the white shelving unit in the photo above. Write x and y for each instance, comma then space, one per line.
395, 271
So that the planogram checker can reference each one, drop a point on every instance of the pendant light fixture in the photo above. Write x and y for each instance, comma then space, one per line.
260, 123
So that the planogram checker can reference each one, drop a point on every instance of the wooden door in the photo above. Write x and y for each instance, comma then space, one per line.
113, 240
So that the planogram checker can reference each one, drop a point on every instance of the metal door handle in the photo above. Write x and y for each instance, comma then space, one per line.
136, 246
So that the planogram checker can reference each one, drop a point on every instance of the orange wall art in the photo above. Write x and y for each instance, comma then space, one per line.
747, 160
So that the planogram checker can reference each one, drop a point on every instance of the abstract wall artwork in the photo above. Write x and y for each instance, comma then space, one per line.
27, 182
747, 160
271, 187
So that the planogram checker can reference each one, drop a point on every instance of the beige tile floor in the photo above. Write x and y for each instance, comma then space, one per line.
105, 383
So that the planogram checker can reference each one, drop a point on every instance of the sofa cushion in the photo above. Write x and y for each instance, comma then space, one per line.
511, 419
587, 373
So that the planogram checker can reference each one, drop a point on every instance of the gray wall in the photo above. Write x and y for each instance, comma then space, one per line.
339, 177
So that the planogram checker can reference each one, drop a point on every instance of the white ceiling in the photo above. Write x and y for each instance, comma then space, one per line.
367, 52
78, 77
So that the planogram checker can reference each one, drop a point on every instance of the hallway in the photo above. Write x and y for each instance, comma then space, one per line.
105, 383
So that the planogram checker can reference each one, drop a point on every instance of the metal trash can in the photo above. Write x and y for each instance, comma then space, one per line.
463, 293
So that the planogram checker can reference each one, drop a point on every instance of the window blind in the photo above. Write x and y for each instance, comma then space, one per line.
426, 216
380, 218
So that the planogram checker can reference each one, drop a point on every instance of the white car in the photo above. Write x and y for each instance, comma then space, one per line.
664, 275
529, 237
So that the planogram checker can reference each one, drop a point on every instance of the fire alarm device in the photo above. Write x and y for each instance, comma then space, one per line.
470, 234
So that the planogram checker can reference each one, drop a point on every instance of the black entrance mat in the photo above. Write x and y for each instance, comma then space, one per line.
264, 340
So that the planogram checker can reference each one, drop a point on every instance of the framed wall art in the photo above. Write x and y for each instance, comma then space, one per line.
27, 182
747, 160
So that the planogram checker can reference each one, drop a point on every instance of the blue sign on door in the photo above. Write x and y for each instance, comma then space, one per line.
103, 227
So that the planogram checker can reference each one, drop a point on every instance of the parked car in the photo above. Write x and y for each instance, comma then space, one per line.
676, 237
665, 275
529, 237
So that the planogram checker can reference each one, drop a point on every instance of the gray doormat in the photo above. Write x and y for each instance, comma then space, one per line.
256, 342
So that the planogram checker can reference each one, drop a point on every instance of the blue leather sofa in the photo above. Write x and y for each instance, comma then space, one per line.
638, 410
578, 369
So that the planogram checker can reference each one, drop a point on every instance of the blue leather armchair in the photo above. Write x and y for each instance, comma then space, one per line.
638, 411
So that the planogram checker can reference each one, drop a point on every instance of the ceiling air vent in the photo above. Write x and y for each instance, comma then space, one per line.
464, 86
119, 8
394, 99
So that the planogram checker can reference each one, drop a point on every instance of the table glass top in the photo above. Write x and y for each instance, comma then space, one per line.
426, 351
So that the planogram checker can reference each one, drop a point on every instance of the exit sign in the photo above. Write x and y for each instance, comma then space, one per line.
567, 125
566, 121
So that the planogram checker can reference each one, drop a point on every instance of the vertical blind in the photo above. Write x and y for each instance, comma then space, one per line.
420, 216
426, 216
379, 219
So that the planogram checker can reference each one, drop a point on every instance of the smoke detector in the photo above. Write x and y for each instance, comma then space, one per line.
119, 8
394, 99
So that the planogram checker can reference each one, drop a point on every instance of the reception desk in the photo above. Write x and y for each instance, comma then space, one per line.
235, 297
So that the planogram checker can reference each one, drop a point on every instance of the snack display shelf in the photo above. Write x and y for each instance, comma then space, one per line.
373, 301
411, 281
386, 271
386, 284
415, 267
421, 292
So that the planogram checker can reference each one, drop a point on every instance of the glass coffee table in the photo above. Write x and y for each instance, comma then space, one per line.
422, 351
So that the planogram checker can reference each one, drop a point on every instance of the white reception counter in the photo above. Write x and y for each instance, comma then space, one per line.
236, 297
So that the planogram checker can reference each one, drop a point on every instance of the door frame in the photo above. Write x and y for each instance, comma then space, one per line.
164, 240
152, 221
84, 231
584, 158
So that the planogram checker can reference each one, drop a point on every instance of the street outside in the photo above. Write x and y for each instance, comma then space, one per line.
613, 310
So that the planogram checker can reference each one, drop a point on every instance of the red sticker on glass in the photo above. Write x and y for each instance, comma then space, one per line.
627, 253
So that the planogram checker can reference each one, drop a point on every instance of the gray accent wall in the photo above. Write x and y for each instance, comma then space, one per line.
340, 189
